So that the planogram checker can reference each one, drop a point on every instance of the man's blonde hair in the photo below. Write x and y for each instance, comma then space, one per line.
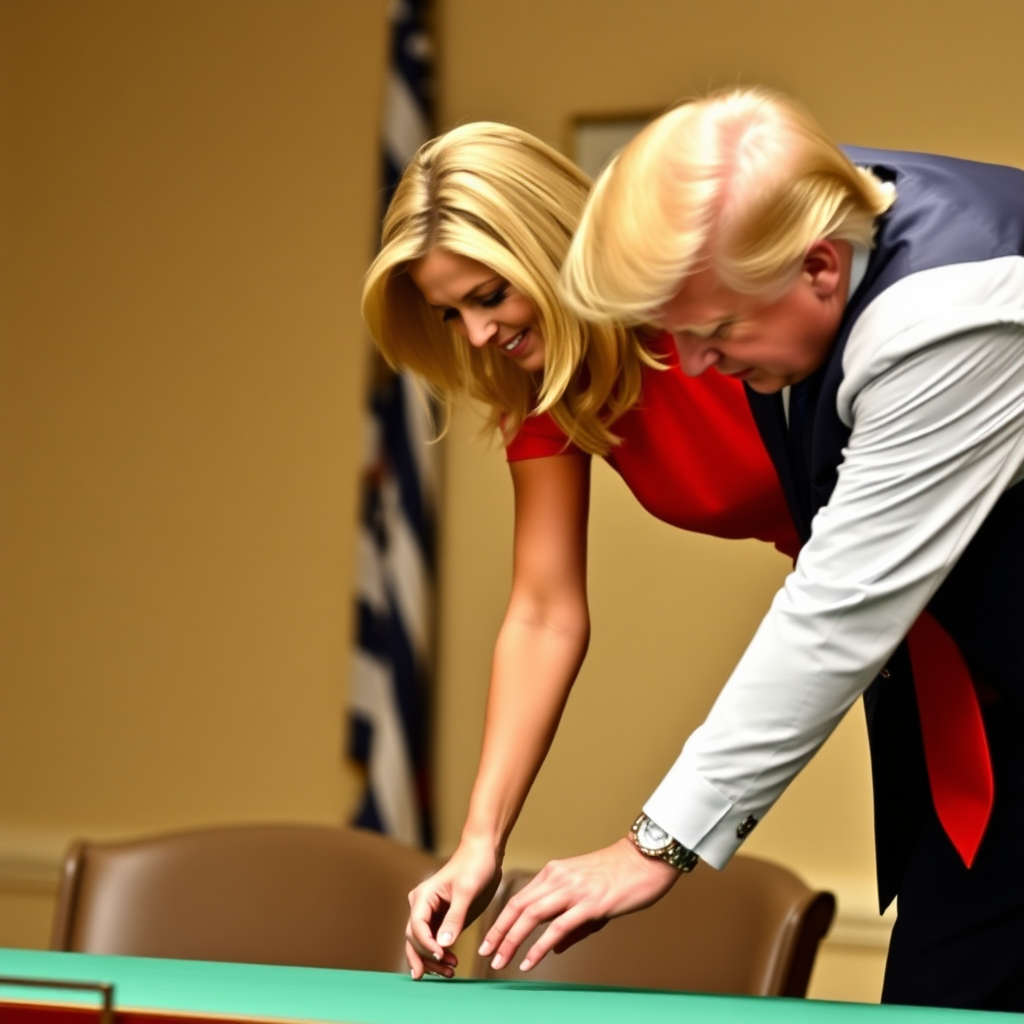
495, 194
743, 181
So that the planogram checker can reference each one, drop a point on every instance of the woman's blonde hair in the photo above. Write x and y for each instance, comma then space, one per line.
743, 181
495, 194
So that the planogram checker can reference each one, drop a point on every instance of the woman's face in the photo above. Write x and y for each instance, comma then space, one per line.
481, 306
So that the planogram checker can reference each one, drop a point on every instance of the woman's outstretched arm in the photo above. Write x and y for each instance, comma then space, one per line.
539, 650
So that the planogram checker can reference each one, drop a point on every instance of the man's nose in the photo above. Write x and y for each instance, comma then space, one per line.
695, 354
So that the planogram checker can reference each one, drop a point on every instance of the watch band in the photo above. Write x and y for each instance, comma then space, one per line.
670, 850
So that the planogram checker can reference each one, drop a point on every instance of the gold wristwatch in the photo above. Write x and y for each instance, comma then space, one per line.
653, 841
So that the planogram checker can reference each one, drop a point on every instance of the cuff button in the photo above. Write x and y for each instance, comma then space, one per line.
745, 827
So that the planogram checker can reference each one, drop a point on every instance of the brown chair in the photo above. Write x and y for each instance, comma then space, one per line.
752, 929
300, 895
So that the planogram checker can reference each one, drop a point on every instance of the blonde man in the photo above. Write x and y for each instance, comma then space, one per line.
873, 305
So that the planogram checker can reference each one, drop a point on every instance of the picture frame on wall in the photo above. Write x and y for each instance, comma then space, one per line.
595, 138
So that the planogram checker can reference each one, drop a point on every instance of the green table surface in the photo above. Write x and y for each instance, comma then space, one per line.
312, 994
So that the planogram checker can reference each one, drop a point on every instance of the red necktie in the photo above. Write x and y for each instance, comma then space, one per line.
955, 748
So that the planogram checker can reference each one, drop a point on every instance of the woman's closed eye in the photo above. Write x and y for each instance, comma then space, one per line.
489, 301
495, 298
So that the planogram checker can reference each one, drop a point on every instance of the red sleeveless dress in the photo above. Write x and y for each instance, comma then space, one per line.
690, 452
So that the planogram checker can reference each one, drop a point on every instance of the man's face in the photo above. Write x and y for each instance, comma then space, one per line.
766, 342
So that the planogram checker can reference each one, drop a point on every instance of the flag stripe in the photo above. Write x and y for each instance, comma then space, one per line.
398, 442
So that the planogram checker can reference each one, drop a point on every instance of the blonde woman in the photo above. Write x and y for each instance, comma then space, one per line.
464, 293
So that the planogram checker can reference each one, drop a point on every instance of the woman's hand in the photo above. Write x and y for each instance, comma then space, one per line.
442, 906
578, 896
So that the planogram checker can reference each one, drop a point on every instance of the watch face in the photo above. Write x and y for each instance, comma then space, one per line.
652, 836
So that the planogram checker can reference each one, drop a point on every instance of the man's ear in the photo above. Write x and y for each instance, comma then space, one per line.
826, 266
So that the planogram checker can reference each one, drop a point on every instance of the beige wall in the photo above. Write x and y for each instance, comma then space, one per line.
187, 206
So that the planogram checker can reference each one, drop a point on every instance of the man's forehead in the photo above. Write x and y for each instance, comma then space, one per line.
702, 301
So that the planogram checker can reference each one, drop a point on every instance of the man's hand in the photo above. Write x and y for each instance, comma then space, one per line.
578, 896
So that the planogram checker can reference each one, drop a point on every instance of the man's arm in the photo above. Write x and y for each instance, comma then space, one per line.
937, 438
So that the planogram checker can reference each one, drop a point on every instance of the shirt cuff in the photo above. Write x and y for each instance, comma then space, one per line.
692, 811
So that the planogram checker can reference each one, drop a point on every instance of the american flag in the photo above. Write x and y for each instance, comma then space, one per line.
389, 711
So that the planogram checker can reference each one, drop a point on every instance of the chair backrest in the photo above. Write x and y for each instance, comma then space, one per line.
299, 895
752, 929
